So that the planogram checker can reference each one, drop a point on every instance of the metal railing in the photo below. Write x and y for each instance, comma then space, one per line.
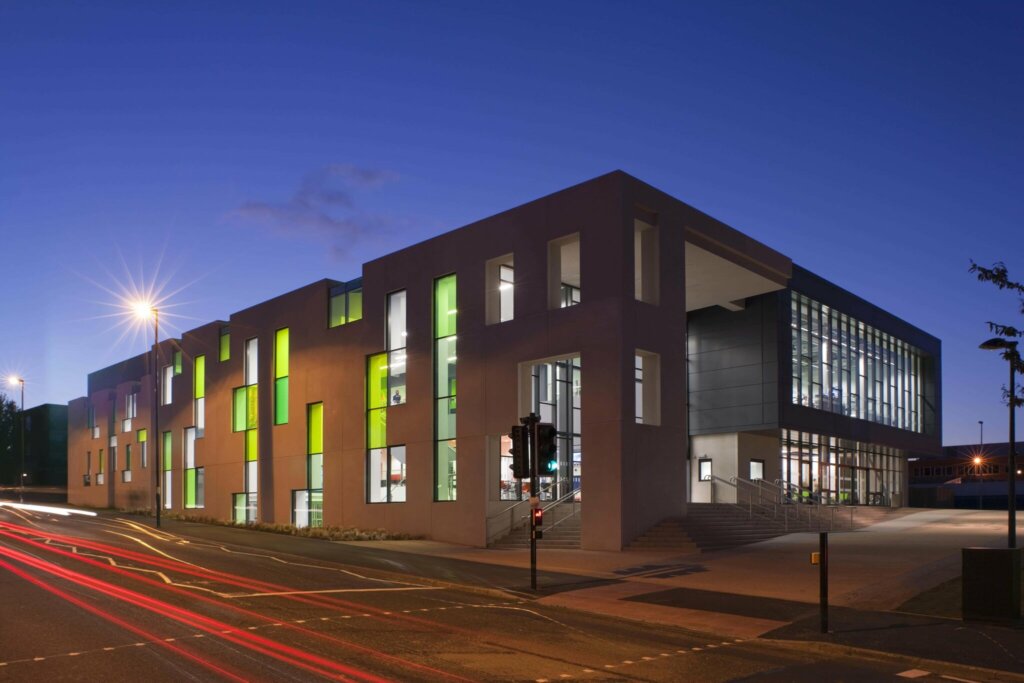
503, 522
576, 506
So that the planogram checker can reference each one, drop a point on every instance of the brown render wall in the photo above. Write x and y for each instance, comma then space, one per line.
633, 475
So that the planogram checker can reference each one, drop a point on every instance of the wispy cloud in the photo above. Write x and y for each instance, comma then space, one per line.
324, 206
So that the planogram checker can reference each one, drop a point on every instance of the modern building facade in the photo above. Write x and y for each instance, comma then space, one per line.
385, 400
46, 448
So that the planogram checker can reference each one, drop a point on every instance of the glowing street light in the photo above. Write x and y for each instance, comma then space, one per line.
14, 381
145, 310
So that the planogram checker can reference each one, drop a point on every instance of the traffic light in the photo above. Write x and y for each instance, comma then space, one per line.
520, 456
547, 450
537, 520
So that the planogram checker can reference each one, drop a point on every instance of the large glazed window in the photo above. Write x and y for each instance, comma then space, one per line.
820, 468
445, 360
845, 366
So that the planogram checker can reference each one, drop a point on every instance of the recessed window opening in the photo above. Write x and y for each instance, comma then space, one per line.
647, 387
645, 261
704, 469
756, 469
397, 358
564, 280
500, 294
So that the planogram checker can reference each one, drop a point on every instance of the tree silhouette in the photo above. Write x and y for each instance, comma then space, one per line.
1000, 277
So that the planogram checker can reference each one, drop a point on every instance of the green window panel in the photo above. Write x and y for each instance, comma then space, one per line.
225, 347
316, 471
251, 404
445, 310
177, 362
252, 445
377, 381
377, 428
200, 377
168, 442
281, 353
446, 362
238, 410
314, 429
444, 467
336, 312
141, 436
281, 401
355, 305
446, 418
190, 488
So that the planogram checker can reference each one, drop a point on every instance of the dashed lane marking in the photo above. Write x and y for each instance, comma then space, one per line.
914, 673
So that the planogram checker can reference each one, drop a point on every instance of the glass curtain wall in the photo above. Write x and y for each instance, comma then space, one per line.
834, 471
844, 366
556, 393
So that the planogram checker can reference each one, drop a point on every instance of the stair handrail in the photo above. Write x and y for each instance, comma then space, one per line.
575, 507
771, 508
511, 512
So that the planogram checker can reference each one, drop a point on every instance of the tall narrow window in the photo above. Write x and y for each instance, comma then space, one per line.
100, 468
564, 272
245, 418
177, 362
647, 381
130, 410
281, 376
251, 360
168, 471
376, 400
141, 436
126, 473
645, 261
500, 294
224, 345
191, 471
397, 334
199, 392
445, 360
307, 505
166, 385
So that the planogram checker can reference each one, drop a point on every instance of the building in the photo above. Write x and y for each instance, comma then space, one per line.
967, 476
46, 448
705, 354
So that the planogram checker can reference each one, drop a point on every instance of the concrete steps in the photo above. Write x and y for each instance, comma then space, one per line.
565, 535
718, 526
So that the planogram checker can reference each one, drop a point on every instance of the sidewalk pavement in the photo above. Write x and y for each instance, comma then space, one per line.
767, 590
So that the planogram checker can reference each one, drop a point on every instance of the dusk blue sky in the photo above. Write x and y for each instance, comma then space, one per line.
250, 148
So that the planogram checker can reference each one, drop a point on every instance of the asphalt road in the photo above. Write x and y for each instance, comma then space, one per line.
109, 599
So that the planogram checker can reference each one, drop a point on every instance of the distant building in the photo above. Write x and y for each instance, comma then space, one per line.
46, 448
674, 354
967, 476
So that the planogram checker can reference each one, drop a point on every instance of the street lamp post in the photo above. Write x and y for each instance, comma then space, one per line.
1010, 348
21, 419
145, 310
977, 477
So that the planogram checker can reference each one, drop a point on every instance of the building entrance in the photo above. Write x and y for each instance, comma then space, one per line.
839, 472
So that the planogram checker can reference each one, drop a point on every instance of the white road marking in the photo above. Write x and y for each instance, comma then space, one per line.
332, 590
913, 673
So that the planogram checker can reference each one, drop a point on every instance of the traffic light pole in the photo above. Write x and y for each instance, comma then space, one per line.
531, 428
